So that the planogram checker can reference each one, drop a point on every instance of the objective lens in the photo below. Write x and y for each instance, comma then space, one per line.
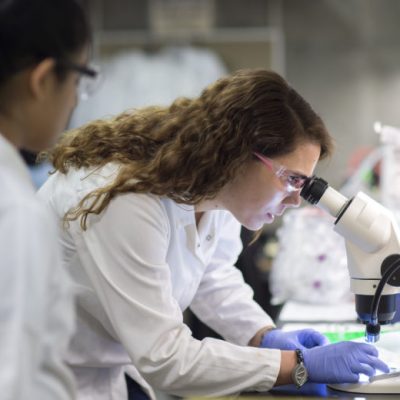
372, 333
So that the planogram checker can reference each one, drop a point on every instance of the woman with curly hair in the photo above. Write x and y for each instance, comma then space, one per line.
151, 204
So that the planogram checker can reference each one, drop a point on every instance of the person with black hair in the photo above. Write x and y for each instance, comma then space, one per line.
43, 52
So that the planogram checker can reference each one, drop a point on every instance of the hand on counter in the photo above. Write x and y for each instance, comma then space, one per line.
342, 362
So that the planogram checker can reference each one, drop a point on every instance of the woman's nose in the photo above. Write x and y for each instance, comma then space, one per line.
292, 199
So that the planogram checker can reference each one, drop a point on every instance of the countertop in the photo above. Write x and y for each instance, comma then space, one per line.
308, 391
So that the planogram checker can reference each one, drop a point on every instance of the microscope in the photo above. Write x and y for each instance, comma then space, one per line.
372, 241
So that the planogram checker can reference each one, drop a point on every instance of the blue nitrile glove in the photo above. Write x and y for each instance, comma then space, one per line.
292, 340
342, 362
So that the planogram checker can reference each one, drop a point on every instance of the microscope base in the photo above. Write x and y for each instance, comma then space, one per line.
384, 386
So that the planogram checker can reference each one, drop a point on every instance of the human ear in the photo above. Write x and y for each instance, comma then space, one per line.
41, 78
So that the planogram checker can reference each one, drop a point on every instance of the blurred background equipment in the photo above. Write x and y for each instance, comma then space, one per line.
134, 79
153, 51
390, 192
310, 265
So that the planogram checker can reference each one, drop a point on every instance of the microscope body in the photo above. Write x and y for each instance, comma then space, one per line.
372, 241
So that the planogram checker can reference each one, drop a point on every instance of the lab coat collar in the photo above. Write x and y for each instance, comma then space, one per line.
185, 215
11, 159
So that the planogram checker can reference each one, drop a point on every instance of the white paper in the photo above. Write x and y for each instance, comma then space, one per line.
294, 311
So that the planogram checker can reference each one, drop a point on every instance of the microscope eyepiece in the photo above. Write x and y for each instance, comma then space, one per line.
314, 189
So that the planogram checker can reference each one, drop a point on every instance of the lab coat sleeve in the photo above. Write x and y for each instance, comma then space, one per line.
124, 254
223, 300
30, 350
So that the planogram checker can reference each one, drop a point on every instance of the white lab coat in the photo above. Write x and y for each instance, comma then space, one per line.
138, 266
36, 306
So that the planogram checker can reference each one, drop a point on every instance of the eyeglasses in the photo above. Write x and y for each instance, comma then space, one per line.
292, 181
90, 79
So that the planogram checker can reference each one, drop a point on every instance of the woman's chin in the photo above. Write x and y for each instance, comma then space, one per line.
258, 223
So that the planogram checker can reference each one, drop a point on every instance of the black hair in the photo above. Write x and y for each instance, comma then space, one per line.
32, 30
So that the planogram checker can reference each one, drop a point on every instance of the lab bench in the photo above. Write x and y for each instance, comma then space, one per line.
293, 317
308, 391
315, 391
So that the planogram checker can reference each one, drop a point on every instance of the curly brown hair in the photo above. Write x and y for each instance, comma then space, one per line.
191, 149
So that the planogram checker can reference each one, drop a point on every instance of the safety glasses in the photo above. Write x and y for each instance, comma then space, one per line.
90, 79
292, 181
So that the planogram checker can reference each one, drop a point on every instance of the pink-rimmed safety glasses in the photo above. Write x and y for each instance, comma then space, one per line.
292, 181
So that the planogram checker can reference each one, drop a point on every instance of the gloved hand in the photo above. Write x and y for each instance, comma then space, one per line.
300, 339
342, 362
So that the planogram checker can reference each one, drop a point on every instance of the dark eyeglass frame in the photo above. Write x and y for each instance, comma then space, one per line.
82, 69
